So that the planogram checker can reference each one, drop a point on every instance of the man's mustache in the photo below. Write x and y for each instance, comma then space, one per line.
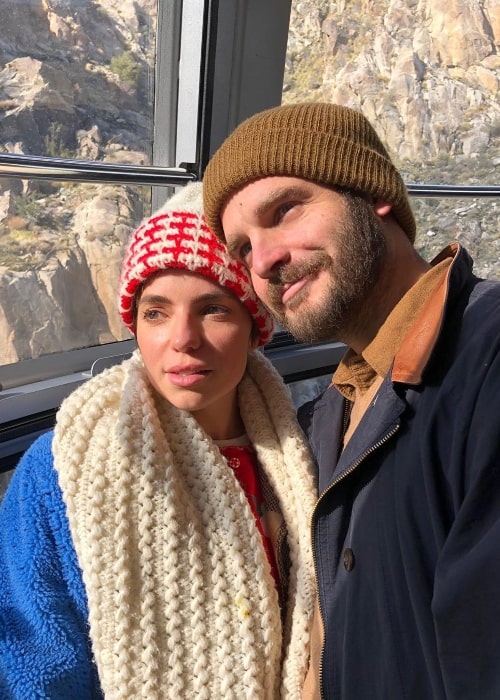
292, 272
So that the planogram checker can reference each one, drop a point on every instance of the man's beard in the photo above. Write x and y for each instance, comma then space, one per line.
352, 276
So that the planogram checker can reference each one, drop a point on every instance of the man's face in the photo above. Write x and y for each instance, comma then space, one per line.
314, 254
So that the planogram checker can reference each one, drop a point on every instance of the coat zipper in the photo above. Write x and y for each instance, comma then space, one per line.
330, 487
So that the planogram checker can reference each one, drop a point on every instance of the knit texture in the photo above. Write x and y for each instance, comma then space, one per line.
177, 237
326, 143
182, 603
44, 646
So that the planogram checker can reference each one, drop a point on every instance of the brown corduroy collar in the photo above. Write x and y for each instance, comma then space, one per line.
407, 336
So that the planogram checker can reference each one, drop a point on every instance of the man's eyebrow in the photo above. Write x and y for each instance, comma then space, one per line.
280, 195
233, 246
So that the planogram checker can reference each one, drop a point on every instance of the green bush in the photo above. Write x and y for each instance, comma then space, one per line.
126, 67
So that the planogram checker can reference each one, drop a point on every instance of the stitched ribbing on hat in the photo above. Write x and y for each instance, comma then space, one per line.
181, 598
329, 144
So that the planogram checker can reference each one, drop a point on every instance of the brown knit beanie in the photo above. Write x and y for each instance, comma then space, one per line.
326, 143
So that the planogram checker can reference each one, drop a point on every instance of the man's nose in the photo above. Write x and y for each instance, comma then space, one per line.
269, 254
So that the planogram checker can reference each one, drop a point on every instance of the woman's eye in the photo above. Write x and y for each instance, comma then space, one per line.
151, 315
215, 310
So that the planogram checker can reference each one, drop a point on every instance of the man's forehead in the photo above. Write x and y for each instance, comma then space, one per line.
260, 195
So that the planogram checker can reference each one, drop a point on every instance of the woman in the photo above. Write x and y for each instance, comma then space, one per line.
156, 545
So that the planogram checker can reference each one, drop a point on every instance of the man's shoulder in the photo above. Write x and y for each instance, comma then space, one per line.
486, 290
482, 310
321, 405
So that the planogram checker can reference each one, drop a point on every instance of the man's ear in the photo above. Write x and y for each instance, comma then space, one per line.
382, 208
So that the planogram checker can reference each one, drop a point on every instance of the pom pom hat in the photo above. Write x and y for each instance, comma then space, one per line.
325, 143
177, 237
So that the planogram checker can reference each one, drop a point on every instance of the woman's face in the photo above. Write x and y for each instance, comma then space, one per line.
194, 337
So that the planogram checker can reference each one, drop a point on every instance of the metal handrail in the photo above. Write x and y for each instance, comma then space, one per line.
453, 190
45, 168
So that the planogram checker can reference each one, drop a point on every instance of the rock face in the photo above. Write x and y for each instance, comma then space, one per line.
75, 82
426, 73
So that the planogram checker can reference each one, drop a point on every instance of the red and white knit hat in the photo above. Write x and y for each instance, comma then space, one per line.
177, 237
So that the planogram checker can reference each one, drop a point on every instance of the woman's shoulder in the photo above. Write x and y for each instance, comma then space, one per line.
38, 457
32, 512
34, 476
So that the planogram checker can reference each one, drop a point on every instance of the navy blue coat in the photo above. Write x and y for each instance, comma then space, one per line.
406, 532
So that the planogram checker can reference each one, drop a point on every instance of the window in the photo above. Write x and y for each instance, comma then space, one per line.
77, 86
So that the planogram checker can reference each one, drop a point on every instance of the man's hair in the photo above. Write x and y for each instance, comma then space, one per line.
325, 143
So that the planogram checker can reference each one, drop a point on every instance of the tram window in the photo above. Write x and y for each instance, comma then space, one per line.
61, 249
77, 84
76, 79
427, 76
473, 222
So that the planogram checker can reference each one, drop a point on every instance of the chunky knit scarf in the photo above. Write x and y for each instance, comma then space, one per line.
181, 599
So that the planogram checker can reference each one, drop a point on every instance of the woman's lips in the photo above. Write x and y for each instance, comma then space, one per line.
187, 377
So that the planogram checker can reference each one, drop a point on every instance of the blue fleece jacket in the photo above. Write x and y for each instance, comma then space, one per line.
45, 649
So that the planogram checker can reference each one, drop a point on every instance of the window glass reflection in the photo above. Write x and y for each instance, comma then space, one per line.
76, 79
61, 248
307, 389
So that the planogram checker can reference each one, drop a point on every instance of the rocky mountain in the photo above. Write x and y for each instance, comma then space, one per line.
427, 74
75, 81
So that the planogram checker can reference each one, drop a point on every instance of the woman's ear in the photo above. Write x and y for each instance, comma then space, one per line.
253, 341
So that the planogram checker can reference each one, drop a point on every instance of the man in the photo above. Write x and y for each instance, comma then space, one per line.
406, 531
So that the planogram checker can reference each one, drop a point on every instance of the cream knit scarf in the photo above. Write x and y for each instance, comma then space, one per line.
181, 599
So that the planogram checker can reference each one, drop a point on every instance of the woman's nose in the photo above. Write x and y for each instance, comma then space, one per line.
185, 334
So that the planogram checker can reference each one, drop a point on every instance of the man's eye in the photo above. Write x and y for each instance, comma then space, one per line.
245, 250
284, 208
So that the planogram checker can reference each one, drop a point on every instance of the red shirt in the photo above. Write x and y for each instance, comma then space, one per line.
243, 461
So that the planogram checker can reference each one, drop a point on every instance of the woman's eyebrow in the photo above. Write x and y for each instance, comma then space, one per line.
201, 298
153, 299
215, 296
